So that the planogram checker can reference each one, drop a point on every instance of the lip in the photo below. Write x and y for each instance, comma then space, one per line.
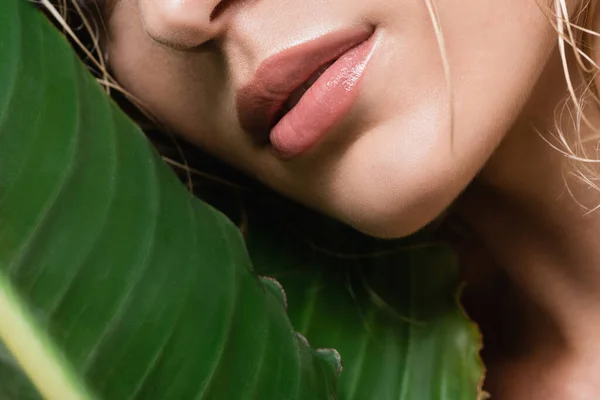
322, 106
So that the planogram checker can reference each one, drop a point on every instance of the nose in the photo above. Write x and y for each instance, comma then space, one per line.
183, 24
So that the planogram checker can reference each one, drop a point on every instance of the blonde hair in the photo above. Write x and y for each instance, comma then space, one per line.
575, 33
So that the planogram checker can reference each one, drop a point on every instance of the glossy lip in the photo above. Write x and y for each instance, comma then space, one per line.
259, 101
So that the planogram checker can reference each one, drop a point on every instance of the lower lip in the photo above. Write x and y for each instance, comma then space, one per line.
324, 105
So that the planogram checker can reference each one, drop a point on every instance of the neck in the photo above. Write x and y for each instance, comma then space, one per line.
531, 216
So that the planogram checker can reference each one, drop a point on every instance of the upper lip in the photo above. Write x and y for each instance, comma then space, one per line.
259, 101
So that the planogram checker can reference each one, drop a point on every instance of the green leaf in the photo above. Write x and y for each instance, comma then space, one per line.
389, 308
115, 283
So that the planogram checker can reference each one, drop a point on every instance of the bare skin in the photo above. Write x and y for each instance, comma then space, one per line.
542, 322
395, 163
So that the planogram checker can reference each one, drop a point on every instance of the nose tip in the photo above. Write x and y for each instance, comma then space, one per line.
182, 23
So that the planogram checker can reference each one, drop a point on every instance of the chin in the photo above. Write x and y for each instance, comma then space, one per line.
387, 198
397, 227
394, 219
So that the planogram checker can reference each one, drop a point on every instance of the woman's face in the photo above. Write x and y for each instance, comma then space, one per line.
371, 142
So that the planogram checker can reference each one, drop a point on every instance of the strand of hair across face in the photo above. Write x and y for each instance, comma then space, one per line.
439, 35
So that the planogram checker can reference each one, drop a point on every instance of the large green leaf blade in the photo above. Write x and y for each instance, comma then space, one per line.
131, 288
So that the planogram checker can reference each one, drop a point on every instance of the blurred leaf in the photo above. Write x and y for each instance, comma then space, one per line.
389, 307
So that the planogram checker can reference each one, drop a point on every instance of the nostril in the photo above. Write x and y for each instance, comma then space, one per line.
221, 7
